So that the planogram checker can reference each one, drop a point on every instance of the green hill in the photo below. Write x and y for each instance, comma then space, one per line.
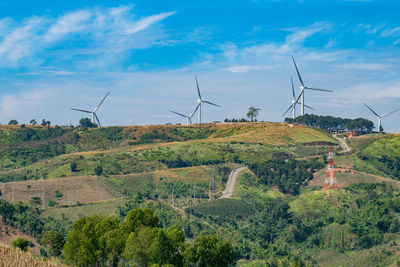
278, 214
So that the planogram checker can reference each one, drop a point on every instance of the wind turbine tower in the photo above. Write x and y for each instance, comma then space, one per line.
294, 103
304, 87
94, 116
200, 101
379, 117
188, 117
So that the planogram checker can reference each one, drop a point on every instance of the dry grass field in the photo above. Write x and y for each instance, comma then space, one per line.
73, 189
353, 177
16, 258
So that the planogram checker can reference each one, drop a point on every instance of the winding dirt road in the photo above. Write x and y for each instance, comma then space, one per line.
343, 144
231, 183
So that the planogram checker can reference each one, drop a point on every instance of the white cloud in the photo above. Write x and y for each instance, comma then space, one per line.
148, 21
69, 23
101, 30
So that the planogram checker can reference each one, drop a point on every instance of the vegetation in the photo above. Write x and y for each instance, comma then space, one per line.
97, 240
17, 257
20, 243
252, 113
152, 203
333, 124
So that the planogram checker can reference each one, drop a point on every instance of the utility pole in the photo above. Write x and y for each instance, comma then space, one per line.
172, 199
44, 197
72, 197
194, 191
13, 192
213, 174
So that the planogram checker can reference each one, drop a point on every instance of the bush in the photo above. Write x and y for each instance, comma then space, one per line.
20, 243
98, 170
73, 166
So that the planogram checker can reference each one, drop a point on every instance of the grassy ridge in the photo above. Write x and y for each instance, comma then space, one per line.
124, 150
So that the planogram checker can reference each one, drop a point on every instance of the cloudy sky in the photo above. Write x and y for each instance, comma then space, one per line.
60, 54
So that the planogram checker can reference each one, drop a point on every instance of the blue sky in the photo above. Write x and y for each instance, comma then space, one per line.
60, 54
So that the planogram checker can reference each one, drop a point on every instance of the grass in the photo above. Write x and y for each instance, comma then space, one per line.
107, 207
352, 177
82, 189
388, 147
16, 257
361, 142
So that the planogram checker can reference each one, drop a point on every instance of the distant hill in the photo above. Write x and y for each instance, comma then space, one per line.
278, 213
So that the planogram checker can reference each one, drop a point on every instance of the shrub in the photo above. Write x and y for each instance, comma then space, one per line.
20, 243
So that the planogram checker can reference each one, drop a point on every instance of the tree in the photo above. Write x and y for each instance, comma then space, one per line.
33, 122
73, 166
86, 122
20, 243
98, 170
137, 246
209, 251
13, 122
252, 113
53, 242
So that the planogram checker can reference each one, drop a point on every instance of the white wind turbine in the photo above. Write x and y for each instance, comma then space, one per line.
200, 101
379, 117
94, 111
294, 103
188, 117
303, 88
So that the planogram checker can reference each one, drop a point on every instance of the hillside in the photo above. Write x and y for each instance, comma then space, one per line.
277, 208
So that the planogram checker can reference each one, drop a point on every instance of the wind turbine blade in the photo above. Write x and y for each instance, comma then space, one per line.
180, 114
198, 88
298, 73
291, 107
211, 103
318, 89
309, 107
101, 102
371, 110
294, 95
390, 113
197, 107
298, 98
82, 110
97, 119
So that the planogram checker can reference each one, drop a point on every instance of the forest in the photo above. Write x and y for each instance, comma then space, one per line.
333, 124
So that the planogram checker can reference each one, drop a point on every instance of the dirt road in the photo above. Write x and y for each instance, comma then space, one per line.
231, 183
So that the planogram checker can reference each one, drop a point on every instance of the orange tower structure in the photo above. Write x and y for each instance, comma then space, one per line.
330, 179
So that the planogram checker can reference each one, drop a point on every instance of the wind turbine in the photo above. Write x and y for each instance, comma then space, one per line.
303, 88
188, 117
380, 116
200, 101
94, 111
294, 103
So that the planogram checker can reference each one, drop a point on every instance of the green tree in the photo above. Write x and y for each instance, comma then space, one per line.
98, 170
53, 242
209, 251
33, 122
252, 113
13, 122
20, 243
81, 243
138, 244
139, 217
86, 122
73, 166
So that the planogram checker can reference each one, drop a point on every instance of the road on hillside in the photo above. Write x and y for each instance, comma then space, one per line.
231, 183
342, 142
